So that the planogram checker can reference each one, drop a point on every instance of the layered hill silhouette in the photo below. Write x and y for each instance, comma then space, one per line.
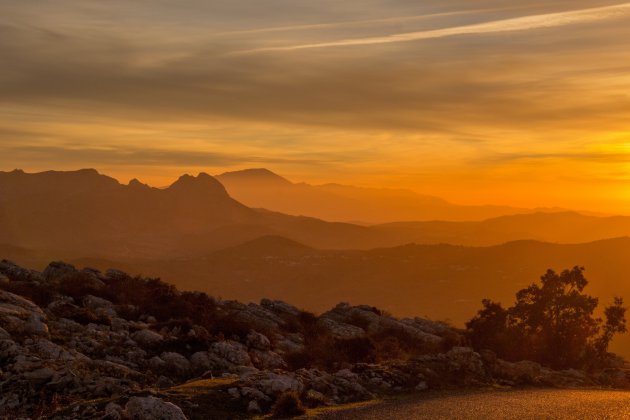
438, 281
195, 235
83, 214
260, 187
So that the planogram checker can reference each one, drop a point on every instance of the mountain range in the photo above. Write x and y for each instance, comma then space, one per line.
262, 188
195, 235
84, 213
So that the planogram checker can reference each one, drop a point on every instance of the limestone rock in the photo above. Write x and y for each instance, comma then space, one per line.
232, 351
147, 338
279, 307
151, 408
258, 341
175, 362
56, 272
340, 329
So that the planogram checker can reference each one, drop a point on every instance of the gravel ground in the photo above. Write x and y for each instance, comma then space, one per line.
520, 404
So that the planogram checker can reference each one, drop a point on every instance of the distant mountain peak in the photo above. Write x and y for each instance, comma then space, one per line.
135, 183
89, 171
255, 175
202, 182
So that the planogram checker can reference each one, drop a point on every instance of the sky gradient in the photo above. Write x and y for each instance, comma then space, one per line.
476, 101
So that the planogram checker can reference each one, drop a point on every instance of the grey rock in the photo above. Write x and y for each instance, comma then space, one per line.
113, 411
279, 307
175, 362
99, 305
151, 408
11, 302
147, 338
232, 351
57, 271
253, 407
4, 334
258, 341
340, 329
267, 359
35, 326
40, 375
17, 273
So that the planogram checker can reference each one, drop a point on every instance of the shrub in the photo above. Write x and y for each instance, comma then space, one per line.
288, 405
354, 350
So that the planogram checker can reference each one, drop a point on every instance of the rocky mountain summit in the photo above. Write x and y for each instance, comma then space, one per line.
87, 344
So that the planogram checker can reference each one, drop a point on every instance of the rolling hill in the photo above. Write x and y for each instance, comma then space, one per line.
439, 281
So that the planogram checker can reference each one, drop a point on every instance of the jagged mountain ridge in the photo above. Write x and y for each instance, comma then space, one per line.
260, 187
69, 210
86, 214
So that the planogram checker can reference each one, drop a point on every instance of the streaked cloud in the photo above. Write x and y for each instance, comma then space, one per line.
346, 24
549, 20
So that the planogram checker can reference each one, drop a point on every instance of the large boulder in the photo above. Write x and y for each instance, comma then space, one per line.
273, 384
340, 329
147, 338
279, 307
56, 272
365, 317
258, 341
231, 351
373, 322
465, 359
267, 359
253, 316
175, 363
151, 408
21, 316
59, 272
35, 326
524, 371
99, 305
19, 274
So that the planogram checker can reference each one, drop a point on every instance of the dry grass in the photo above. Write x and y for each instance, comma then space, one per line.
199, 386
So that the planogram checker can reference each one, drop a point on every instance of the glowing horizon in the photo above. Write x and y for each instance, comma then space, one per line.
476, 102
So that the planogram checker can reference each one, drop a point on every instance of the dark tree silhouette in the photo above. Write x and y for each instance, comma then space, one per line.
551, 322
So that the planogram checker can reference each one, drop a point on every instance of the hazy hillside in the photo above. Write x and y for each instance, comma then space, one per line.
559, 227
440, 281
335, 202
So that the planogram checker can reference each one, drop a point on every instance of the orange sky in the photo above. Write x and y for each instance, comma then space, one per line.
476, 101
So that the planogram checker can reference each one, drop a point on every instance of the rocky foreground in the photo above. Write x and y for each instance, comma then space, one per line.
85, 344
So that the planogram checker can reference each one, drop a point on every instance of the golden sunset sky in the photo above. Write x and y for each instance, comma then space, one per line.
476, 101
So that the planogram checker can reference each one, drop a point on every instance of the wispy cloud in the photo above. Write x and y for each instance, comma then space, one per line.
549, 20
159, 157
346, 24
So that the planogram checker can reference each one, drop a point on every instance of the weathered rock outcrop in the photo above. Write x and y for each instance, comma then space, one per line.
69, 337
